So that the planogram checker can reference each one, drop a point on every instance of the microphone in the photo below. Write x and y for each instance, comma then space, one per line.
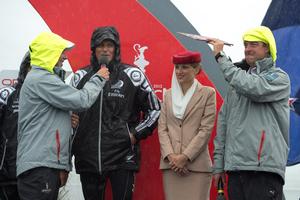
103, 61
220, 190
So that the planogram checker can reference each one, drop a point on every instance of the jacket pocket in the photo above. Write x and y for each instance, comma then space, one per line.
57, 140
128, 130
3, 152
272, 150
260, 147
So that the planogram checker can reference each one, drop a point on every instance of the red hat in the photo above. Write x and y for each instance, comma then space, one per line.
187, 57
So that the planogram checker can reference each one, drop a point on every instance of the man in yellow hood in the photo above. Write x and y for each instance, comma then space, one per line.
251, 145
44, 123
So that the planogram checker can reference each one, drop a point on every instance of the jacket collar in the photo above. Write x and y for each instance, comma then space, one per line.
264, 64
195, 98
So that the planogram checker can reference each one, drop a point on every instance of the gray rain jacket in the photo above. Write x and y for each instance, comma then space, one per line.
44, 123
253, 124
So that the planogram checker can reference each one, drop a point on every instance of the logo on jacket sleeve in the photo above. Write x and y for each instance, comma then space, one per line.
77, 77
271, 76
136, 76
4, 94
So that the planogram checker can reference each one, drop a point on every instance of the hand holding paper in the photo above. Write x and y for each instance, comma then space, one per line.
202, 38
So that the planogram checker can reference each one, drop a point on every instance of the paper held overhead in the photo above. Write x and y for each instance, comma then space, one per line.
201, 38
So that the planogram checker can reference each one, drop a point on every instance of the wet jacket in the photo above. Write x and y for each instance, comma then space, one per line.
253, 123
44, 123
127, 105
9, 108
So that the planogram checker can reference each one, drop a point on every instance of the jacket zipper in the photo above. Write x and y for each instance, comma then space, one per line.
74, 133
4, 152
100, 125
132, 145
58, 146
262, 140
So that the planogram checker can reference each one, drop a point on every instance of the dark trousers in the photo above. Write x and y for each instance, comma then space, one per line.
9, 192
122, 184
39, 184
254, 185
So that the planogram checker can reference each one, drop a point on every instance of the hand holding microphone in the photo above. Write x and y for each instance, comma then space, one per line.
103, 71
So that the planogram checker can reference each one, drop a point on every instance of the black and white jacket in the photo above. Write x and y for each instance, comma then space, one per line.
9, 111
9, 108
128, 104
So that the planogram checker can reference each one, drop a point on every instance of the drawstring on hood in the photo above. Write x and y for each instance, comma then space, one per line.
60, 72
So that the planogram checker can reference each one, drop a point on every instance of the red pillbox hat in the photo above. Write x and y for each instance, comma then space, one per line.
187, 57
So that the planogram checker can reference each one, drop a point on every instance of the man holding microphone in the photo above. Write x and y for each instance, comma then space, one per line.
44, 124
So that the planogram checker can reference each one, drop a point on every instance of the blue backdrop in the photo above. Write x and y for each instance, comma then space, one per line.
283, 18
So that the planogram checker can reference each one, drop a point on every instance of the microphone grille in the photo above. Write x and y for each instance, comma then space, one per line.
103, 60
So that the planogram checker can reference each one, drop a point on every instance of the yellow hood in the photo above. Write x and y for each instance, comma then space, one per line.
46, 49
262, 34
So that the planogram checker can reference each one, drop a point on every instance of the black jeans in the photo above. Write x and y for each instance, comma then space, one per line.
9, 192
122, 184
254, 185
40, 183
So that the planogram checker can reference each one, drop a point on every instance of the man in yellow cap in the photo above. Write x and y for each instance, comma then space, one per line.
44, 123
251, 145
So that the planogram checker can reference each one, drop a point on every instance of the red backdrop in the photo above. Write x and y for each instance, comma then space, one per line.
75, 20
